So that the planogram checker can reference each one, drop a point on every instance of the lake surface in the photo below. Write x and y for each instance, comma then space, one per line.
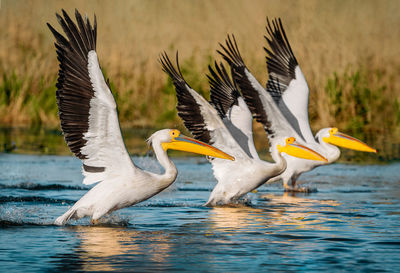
351, 224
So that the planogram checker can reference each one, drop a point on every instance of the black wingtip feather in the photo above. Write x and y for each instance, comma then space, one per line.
175, 74
223, 91
74, 88
188, 109
281, 62
251, 96
231, 52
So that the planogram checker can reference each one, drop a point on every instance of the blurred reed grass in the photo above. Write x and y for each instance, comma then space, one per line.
348, 51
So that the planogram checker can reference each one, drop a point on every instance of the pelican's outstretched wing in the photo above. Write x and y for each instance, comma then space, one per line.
286, 82
260, 103
87, 108
199, 117
232, 109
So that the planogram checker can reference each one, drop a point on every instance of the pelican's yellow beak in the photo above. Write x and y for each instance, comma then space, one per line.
297, 150
183, 143
345, 141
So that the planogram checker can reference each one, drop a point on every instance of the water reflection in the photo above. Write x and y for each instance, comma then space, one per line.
237, 218
288, 211
100, 247
296, 200
293, 211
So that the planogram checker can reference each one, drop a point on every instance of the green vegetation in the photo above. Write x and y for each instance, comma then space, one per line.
350, 59
21, 106
361, 101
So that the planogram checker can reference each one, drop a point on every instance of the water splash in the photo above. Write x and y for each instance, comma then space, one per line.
16, 216
114, 219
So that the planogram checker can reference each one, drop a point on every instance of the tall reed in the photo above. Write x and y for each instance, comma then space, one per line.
348, 51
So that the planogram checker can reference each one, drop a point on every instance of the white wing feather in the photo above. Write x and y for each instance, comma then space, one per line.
220, 136
279, 124
239, 122
296, 98
105, 146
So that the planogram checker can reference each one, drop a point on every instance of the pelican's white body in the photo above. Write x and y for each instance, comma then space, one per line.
237, 178
296, 166
247, 172
281, 127
121, 184
126, 189
116, 193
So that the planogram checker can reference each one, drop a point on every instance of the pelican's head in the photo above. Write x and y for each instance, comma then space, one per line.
173, 139
293, 148
333, 136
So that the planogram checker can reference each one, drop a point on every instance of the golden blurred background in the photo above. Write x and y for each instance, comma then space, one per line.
348, 50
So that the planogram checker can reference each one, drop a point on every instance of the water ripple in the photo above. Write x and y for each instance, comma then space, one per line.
4, 223
346, 226
342, 239
35, 199
393, 243
38, 187
294, 237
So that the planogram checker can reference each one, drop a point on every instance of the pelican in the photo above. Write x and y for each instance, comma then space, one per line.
286, 100
89, 121
229, 128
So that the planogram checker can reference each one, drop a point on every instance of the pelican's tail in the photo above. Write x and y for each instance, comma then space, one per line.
216, 200
210, 203
60, 221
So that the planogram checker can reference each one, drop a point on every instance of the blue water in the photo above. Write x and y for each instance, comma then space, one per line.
351, 224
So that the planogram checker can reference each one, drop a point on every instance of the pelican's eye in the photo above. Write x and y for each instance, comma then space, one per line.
290, 140
174, 133
333, 131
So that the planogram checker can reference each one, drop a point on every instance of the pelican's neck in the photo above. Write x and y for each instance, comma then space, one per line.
280, 161
305, 128
170, 170
331, 152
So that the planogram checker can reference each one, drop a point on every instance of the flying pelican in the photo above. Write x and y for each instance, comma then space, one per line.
89, 121
230, 129
286, 99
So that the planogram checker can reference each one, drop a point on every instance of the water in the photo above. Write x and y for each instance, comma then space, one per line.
351, 224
